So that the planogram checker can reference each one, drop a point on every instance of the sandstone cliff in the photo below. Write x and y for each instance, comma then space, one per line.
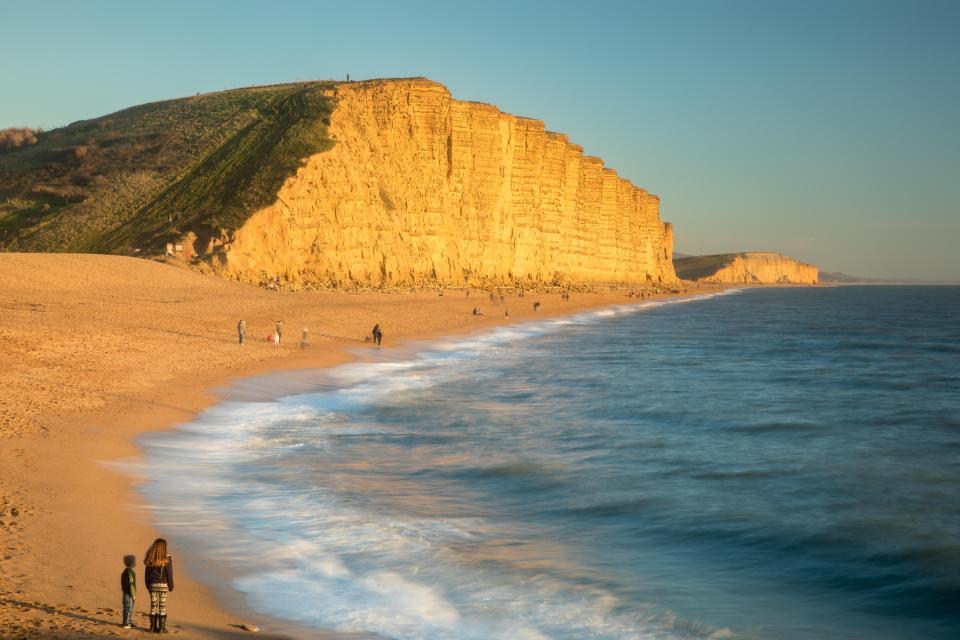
746, 268
423, 189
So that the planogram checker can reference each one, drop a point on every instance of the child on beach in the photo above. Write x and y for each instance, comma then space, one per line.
159, 578
128, 585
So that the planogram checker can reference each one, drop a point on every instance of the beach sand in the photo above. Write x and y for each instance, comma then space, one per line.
95, 350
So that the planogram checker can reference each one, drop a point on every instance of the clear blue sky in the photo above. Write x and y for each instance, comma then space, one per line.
826, 130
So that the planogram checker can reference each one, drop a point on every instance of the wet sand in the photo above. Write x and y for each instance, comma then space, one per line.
95, 350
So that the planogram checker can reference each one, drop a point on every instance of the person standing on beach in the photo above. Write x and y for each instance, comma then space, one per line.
279, 330
377, 334
241, 330
128, 586
158, 574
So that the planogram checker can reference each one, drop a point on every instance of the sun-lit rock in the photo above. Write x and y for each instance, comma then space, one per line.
746, 268
424, 189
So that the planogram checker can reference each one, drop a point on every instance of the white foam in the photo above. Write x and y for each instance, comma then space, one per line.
318, 556
412, 599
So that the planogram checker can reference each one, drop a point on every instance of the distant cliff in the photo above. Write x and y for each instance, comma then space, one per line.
421, 188
746, 268
386, 182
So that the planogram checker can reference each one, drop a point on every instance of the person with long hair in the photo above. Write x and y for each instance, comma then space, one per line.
158, 572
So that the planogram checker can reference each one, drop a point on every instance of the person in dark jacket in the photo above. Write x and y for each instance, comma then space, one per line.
128, 586
377, 334
158, 574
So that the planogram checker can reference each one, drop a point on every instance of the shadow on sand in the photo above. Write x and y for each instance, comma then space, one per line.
108, 627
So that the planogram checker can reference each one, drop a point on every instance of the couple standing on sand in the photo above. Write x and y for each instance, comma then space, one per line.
273, 337
158, 575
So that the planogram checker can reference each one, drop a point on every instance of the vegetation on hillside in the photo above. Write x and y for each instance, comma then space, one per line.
16, 137
141, 177
694, 267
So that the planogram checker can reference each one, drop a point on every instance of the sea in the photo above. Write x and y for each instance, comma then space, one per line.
765, 463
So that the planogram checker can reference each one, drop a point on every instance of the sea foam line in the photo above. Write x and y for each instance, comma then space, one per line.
321, 559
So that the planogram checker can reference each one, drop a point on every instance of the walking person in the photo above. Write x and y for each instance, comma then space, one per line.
377, 334
158, 574
241, 330
128, 586
279, 329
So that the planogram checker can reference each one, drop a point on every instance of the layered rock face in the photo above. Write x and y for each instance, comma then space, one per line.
423, 189
746, 268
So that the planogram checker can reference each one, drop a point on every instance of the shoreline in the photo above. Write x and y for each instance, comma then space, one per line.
280, 385
69, 502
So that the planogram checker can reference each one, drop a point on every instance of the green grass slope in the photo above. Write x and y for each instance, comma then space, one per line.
141, 177
694, 267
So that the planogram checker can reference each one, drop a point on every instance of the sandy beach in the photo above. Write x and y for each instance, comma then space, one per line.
95, 350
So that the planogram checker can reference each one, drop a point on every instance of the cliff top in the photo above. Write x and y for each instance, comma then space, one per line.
727, 257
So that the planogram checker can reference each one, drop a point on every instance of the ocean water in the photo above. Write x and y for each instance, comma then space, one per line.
777, 464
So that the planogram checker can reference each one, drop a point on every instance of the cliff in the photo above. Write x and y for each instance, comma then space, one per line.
421, 188
387, 182
746, 268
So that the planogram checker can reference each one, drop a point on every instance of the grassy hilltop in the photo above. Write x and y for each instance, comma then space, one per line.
143, 176
694, 267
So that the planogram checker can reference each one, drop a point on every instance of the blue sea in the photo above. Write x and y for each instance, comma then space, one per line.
776, 464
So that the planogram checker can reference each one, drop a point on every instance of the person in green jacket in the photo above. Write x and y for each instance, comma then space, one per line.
128, 585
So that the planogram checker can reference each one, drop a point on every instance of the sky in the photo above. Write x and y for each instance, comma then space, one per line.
829, 131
